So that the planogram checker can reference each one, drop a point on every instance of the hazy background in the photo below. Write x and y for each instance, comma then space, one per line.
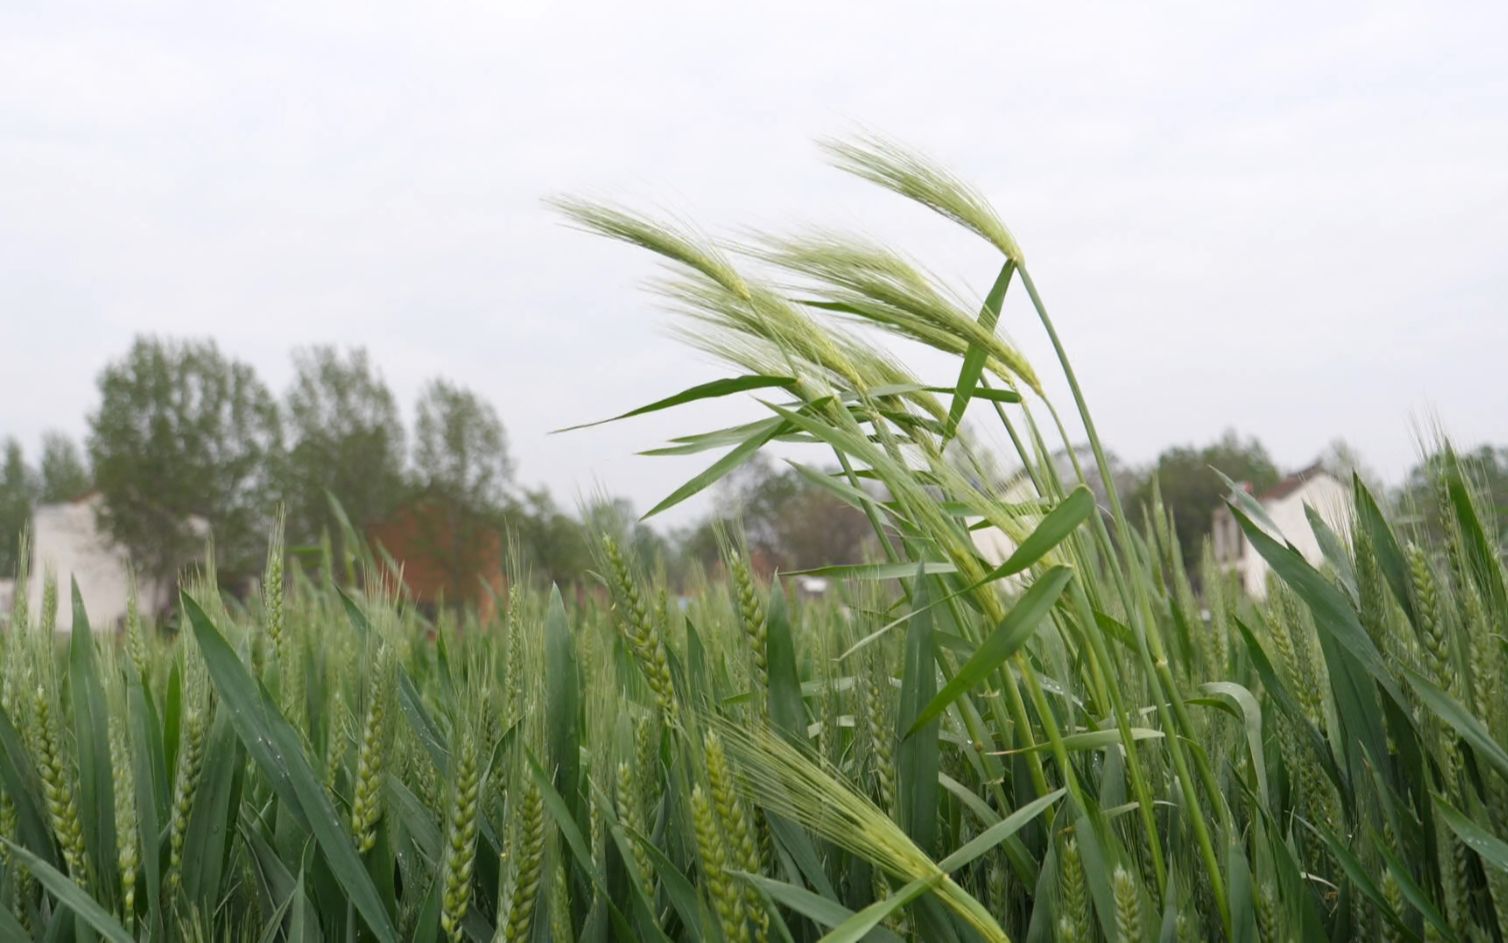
1322, 189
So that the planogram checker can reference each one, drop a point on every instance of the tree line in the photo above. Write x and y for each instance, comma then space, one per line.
187, 441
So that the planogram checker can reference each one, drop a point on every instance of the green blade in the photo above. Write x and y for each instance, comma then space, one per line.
1051, 531
974, 360
1008, 637
70, 895
279, 753
709, 476
917, 757
710, 390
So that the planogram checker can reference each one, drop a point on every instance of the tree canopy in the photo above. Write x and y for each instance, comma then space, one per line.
17, 495
1485, 469
345, 438
1191, 490
64, 476
460, 448
184, 432
788, 522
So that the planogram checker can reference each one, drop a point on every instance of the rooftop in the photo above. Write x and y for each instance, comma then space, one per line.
1292, 483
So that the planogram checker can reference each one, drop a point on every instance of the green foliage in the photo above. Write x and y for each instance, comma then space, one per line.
17, 496
1191, 489
1291, 783
886, 791
63, 473
183, 432
460, 449
1485, 469
345, 437
786, 518
553, 543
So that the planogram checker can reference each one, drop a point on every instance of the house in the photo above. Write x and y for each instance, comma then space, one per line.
67, 542
1024, 507
812, 587
992, 543
1023, 504
1285, 504
444, 555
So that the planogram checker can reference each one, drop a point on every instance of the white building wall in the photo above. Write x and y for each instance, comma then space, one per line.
1329, 497
994, 545
67, 542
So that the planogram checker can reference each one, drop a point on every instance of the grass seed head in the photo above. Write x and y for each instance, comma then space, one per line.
521, 887
1128, 920
909, 174
460, 838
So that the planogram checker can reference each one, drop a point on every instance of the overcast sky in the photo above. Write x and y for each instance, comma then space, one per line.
1292, 221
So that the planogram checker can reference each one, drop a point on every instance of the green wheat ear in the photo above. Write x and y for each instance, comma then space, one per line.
460, 836
520, 888
123, 776
725, 898
1128, 919
367, 802
663, 239
787, 781
875, 285
1073, 903
630, 806
909, 174
644, 634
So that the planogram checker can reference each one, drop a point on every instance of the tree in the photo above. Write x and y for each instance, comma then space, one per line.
1342, 460
699, 544
17, 495
787, 522
1485, 469
753, 496
1062, 464
182, 432
817, 528
462, 464
64, 476
615, 517
554, 544
460, 448
345, 439
1191, 490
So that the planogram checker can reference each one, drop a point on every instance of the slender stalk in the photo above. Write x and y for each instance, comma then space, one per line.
1148, 637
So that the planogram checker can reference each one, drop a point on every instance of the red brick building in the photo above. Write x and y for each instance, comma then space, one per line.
447, 556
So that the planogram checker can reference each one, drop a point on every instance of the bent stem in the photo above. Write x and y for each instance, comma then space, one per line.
1170, 708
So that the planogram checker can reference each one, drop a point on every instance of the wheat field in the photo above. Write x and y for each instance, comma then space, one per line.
1073, 744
